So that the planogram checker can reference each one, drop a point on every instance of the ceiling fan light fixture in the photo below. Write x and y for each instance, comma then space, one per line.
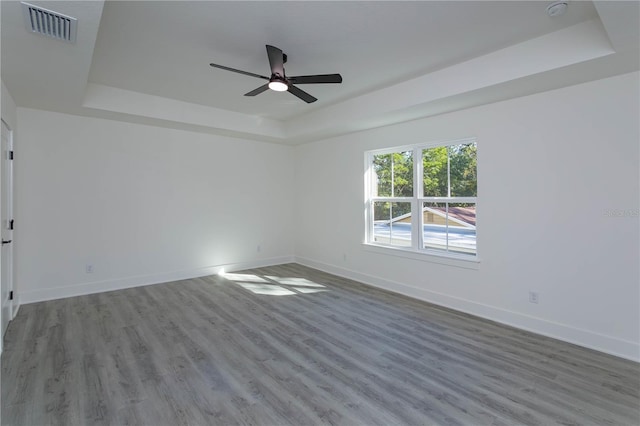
278, 86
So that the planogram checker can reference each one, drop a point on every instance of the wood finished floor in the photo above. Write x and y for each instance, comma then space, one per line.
292, 345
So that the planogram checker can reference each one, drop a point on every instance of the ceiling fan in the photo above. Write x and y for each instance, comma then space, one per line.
280, 82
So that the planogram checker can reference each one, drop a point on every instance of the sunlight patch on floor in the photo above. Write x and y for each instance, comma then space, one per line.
245, 278
303, 282
308, 290
269, 289
275, 286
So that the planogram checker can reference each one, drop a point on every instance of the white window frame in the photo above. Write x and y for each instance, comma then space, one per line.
417, 250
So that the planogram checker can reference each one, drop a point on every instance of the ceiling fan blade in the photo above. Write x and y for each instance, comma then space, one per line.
222, 67
316, 79
301, 94
258, 90
276, 60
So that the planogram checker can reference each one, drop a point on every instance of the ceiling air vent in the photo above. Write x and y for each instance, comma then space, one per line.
49, 24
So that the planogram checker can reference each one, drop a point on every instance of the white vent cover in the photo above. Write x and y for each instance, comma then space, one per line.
49, 24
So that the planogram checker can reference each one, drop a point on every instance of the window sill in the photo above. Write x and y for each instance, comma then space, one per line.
466, 262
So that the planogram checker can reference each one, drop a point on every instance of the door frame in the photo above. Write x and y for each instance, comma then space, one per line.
6, 173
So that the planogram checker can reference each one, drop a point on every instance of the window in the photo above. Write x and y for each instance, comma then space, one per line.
423, 198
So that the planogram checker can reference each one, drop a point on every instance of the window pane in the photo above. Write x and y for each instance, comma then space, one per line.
435, 226
403, 174
382, 169
394, 174
435, 177
450, 227
392, 223
462, 228
462, 169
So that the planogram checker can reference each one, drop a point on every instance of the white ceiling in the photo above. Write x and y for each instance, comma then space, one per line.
148, 61
165, 48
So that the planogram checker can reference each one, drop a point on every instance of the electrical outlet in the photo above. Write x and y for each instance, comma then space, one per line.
88, 269
258, 248
533, 297
344, 257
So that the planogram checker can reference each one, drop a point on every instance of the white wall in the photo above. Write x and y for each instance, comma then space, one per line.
549, 165
142, 204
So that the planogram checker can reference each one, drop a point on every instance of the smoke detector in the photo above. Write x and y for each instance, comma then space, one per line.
49, 23
557, 8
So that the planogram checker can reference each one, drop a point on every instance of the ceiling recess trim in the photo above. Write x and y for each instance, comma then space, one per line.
49, 23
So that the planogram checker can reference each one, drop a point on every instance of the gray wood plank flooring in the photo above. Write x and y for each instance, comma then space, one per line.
289, 345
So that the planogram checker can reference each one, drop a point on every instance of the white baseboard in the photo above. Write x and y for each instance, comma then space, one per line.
610, 345
82, 289
16, 306
14, 311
